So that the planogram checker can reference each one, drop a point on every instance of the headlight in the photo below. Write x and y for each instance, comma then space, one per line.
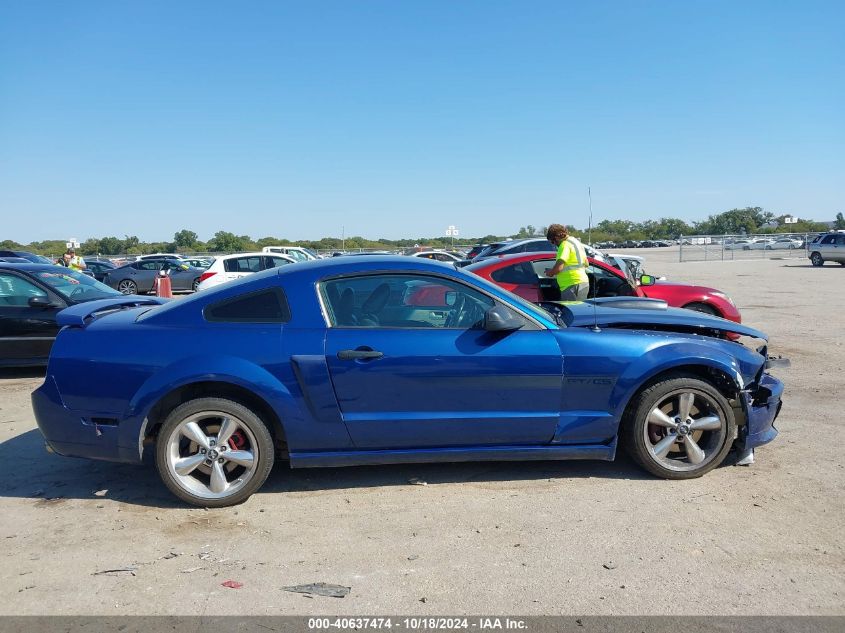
722, 295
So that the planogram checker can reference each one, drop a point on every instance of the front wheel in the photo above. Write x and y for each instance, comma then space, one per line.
213, 452
816, 259
196, 284
127, 287
679, 428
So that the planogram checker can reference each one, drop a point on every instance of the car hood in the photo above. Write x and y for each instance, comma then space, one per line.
636, 313
81, 314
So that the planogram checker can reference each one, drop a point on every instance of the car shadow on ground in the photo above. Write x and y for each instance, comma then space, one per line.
32, 472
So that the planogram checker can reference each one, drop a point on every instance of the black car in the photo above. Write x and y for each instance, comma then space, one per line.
30, 257
98, 267
31, 295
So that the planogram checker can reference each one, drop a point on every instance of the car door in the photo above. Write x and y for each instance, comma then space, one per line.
27, 332
522, 278
411, 366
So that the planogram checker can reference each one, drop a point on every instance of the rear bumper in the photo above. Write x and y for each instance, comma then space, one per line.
762, 408
72, 434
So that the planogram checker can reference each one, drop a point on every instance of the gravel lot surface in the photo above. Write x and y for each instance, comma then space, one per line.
533, 538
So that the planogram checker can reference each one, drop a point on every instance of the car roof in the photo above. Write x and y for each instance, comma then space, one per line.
250, 254
30, 267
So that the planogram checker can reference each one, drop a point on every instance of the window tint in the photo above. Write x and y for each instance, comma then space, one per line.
274, 262
243, 264
407, 301
263, 306
540, 247
149, 265
522, 273
15, 292
828, 239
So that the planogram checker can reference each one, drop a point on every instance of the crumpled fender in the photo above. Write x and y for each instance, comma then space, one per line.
664, 358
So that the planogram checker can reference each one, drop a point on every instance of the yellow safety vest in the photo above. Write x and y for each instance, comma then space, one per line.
75, 263
572, 252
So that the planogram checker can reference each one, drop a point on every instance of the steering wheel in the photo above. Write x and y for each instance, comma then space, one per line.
472, 314
77, 291
454, 318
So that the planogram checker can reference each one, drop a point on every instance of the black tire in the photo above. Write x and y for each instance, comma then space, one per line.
703, 308
195, 284
635, 425
264, 447
816, 259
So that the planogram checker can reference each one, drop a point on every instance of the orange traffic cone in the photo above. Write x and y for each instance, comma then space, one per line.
163, 287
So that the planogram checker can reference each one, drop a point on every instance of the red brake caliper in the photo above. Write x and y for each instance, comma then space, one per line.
237, 441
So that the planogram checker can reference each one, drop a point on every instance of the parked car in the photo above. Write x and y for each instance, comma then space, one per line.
475, 250
30, 257
98, 268
139, 277
229, 267
828, 247
173, 256
31, 295
440, 256
789, 243
737, 245
199, 262
524, 275
758, 244
508, 247
376, 360
296, 253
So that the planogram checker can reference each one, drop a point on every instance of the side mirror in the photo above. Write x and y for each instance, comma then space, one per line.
646, 280
500, 319
41, 302
450, 297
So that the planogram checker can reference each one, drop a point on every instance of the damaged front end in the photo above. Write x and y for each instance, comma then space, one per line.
761, 402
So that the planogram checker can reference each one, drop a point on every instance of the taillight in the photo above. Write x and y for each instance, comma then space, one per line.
205, 276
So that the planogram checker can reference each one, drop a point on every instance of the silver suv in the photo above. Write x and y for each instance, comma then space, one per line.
827, 247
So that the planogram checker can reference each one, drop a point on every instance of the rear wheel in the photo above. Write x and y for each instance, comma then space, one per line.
214, 452
196, 284
680, 428
702, 307
816, 259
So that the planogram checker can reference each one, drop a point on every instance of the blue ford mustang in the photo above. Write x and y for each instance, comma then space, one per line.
394, 359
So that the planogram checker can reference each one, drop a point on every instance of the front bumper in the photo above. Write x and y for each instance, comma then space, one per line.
762, 406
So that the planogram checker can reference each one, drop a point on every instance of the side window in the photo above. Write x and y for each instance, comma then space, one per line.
540, 247
840, 240
522, 273
263, 306
15, 292
606, 284
828, 239
403, 301
243, 264
150, 265
274, 262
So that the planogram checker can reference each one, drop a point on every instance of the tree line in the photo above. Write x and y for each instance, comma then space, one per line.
747, 220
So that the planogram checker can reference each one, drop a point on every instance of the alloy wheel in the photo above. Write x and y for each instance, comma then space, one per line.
212, 455
685, 431
127, 287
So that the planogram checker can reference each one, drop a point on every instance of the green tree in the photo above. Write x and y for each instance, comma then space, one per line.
226, 242
110, 246
185, 239
840, 221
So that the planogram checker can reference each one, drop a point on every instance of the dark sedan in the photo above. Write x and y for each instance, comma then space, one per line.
138, 277
30, 297
99, 268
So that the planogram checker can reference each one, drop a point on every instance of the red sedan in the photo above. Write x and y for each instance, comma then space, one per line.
524, 275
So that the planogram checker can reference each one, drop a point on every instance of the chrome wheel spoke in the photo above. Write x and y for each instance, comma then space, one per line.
662, 448
194, 433
661, 419
187, 465
242, 458
694, 452
219, 483
709, 423
228, 427
685, 401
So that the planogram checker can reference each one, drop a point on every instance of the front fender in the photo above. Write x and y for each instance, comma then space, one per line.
658, 360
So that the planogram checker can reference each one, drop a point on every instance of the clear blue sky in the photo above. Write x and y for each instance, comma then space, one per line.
399, 118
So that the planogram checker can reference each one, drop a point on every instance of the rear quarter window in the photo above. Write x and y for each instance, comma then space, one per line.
263, 306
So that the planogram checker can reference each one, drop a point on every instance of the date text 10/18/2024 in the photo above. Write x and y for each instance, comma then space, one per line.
416, 623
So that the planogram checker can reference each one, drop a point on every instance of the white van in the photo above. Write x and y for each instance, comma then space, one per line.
298, 253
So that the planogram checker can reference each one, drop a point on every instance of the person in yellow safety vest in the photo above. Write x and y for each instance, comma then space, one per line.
570, 269
73, 261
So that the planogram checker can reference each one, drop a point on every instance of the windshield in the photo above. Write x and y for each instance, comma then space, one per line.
76, 286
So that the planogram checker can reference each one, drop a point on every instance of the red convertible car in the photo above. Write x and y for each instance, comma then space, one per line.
524, 275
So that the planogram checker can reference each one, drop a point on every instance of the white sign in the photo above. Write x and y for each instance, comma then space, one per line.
452, 232
72, 243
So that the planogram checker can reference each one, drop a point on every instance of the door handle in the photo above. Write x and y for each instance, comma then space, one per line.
358, 354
